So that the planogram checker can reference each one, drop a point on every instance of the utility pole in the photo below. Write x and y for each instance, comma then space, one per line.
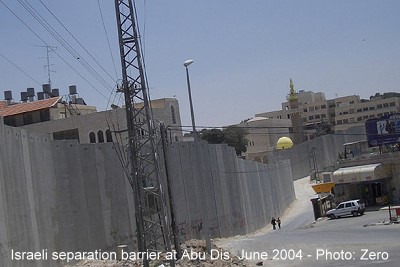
174, 226
314, 157
144, 172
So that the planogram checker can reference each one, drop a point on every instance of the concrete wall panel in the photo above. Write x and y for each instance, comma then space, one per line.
64, 196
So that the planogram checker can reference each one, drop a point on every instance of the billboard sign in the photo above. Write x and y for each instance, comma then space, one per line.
383, 130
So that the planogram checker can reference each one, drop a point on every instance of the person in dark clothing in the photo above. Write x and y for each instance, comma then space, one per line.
278, 221
273, 222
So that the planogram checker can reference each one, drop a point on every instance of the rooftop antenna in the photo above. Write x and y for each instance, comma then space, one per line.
49, 49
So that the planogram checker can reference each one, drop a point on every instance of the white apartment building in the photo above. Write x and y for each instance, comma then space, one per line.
341, 113
262, 136
351, 111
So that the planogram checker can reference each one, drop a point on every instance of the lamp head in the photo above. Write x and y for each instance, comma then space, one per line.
187, 63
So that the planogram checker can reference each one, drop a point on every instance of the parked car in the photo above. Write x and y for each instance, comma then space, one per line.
351, 207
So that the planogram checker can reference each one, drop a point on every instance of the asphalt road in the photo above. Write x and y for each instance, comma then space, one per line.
349, 241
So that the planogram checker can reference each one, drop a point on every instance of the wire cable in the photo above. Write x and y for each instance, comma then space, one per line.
41, 39
21, 70
108, 40
80, 44
36, 15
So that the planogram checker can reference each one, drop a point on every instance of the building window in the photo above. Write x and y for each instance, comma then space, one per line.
109, 136
379, 106
359, 119
339, 122
66, 135
385, 105
323, 106
323, 116
345, 121
365, 117
28, 119
359, 110
100, 136
392, 104
92, 137
372, 116
310, 117
311, 108
371, 108
317, 116
173, 115
365, 109
45, 115
288, 116
304, 109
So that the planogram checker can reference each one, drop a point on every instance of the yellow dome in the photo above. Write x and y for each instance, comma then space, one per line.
284, 143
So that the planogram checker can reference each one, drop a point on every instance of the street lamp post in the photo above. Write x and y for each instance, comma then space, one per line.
186, 65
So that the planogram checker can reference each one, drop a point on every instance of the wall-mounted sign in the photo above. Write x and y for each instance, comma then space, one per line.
383, 130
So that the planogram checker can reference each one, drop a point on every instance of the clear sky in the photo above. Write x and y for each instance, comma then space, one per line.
244, 52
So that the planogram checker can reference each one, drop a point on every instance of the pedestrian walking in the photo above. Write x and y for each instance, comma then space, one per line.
278, 221
273, 222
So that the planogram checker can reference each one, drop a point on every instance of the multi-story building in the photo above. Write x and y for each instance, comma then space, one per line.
49, 106
110, 125
262, 136
352, 111
69, 117
340, 113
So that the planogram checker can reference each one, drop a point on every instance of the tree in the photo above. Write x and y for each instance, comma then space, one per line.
324, 128
213, 136
232, 136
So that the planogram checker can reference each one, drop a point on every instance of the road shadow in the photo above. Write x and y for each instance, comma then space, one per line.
373, 208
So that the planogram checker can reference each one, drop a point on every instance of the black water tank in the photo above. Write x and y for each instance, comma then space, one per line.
24, 96
55, 92
72, 90
31, 92
46, 88
7, 95
40, 95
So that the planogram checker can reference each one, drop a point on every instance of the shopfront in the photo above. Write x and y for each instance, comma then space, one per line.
366, 182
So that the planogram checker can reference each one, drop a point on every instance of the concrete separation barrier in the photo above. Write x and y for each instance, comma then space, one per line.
62, 196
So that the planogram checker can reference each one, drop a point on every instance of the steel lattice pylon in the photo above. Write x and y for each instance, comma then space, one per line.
144, 171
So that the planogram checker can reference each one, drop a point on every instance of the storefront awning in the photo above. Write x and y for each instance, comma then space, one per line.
361, 173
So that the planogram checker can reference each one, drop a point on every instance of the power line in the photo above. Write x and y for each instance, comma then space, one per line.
259, 127
21, 70
108, 40
41, 39
39, 18
80, 44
